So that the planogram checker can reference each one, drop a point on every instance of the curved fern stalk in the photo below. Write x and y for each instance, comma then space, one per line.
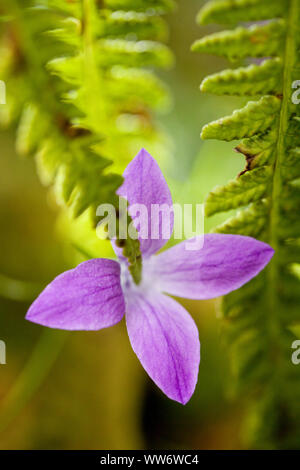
81, 84
260, 318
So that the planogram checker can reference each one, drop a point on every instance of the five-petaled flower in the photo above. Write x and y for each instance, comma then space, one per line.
99, 292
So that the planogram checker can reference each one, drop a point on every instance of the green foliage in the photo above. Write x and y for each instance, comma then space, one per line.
261, 317
82, 89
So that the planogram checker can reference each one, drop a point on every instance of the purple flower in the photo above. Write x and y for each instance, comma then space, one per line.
99, 292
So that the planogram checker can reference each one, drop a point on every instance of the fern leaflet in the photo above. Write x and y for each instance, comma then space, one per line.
82, 88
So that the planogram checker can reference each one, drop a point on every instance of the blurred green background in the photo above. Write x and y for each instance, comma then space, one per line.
88, 390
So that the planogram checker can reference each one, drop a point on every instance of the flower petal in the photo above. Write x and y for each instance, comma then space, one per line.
165, 339
223, 264
88, 297
144, 184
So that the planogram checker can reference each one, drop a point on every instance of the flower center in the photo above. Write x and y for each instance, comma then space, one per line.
148, 280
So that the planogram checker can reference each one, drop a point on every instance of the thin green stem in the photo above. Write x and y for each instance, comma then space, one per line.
32, 376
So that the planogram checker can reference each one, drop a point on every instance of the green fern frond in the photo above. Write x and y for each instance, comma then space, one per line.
80, 78
234, 11
260, 318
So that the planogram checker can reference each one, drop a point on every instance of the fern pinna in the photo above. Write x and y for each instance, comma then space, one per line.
262, 317
80, 82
